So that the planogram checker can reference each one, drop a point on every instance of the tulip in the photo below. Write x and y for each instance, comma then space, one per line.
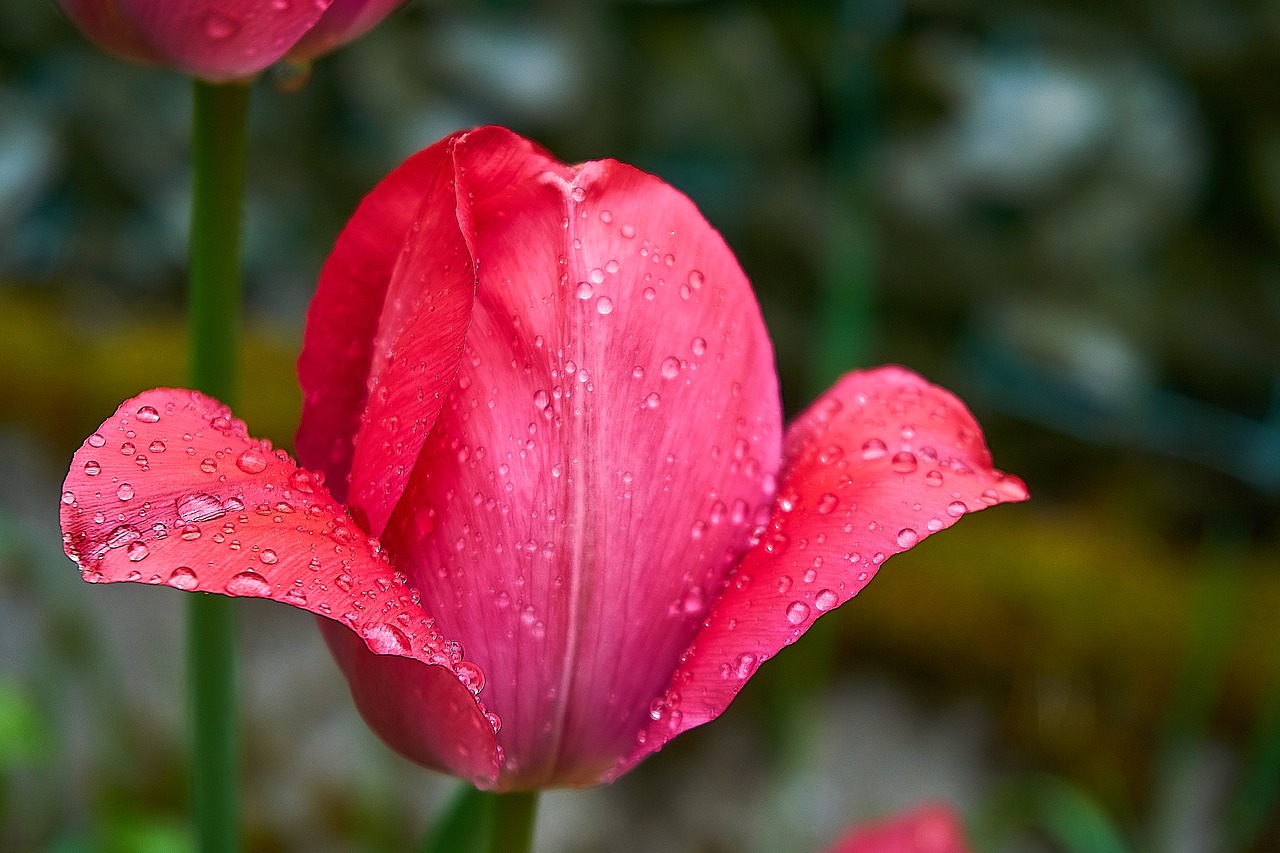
548, 510
221, 40
928, 829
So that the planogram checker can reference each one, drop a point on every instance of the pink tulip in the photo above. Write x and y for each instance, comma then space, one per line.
223, 40
929, 829
541, 409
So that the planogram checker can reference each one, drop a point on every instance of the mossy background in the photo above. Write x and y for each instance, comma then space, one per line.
1067, 214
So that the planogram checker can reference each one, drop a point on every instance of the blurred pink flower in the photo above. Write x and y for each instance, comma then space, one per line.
221, 40
928, 829
544, 403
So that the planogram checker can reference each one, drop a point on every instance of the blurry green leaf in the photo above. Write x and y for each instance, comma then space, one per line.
24, 732
1055, 807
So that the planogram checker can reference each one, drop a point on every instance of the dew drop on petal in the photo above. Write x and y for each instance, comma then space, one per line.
797, 612
907, 537
604, 305
252, 461
208, 465
903, 462
744, 664
933, 478
653, 400
125, 492
269, 556
92, 468
873, 448
182, 578
385, 639
136, 552
585, 290
955, 509
827, 503
200, 507
96, 440
670, 367
148, 414
218, 26
470, 676
825, 600
248, 582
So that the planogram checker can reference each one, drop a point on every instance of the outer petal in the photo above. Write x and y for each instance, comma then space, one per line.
929, 829
212, 39
881, 461
172, 490
385, 331
345, 21
595, 470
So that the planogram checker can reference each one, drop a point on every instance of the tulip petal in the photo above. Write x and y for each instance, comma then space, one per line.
928, 829
216, 40
385, 332
172, 490
878, 463
595, 472
343, 22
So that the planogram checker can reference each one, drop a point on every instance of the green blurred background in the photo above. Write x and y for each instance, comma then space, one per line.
1069, 214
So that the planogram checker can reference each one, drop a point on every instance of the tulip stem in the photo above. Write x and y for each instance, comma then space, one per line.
218, 174
513, 817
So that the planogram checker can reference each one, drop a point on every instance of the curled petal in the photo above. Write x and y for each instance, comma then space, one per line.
928, 829
171, 490
213, 39
384, 334
878, 463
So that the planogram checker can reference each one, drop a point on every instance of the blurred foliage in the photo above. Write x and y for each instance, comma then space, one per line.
1068, 214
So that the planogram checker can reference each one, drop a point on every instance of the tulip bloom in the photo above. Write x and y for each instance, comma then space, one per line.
220, 40
548, 508
929, 829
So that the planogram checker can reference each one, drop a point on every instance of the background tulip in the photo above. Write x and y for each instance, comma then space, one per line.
224, 39
547, 398
928, 829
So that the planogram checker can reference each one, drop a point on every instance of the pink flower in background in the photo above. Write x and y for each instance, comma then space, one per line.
554, 518
928, 829
224, 39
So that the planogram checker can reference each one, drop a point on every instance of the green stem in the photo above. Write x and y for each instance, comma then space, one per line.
513, 819
218, 164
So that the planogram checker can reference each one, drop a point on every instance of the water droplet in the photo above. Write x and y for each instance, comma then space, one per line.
200, 507
96, 440
670, 367
127, 449
304, 481
955, 509
784, 584
470, 676
541, 399
92, 468
137, 552
157, 446
69, 498
182, 578
696, 279
252, 461
903, 462
208, 465
579, 194
827, 503
148, 414
218, 26
907, 537
825, 600
628, 231
699, 346
125, 492
831, 454
744, 664
585, 290
873, 448
604, 305
269, 556
123, 535
653, 400
190, 532
650, 294
933, 478
248, 582
344, 582
385, 639
797, 612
